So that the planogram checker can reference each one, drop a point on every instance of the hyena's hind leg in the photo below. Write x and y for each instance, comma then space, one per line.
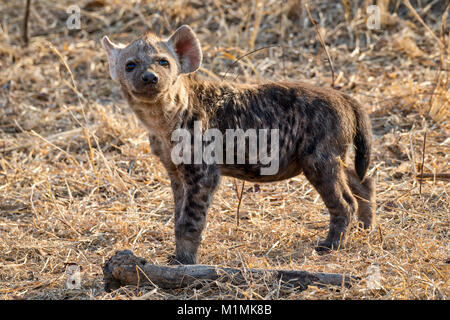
329, 179
364, 193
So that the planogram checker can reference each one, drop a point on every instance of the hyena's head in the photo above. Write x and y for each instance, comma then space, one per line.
149, 66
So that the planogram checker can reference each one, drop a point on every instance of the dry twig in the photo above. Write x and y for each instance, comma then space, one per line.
322, 43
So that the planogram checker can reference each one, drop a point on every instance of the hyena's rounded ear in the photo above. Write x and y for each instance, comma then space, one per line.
113, 51
187, 47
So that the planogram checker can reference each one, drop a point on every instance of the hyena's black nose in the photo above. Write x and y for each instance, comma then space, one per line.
149, 77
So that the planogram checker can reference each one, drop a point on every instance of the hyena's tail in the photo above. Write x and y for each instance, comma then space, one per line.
362, 140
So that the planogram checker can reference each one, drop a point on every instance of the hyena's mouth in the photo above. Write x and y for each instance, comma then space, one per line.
146, 95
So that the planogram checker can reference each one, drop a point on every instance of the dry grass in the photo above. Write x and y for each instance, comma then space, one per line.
78, 181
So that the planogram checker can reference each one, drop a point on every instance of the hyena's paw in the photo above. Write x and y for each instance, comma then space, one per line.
175, 260
171, 259
327, 245
361, 226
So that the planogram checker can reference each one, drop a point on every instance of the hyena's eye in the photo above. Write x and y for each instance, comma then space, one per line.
130, 66
164, 63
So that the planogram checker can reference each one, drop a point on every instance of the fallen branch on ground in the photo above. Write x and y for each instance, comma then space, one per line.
437, 176
124, 268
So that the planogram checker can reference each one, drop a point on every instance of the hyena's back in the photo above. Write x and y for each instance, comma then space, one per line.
315, 125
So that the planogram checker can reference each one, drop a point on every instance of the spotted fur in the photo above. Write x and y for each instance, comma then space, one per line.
316, 126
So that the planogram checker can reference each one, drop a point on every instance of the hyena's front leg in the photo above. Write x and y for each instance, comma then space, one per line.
178, 194
200, 182
175, 180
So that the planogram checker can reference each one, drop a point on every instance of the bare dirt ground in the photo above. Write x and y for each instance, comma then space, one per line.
78, 181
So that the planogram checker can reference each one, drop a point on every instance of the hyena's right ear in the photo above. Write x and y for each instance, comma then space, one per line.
113, 52
187, 48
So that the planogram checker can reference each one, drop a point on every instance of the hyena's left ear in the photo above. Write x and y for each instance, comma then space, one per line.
113, 52
187, 47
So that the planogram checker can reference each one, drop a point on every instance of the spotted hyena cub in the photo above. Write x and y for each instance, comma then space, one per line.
312, 128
